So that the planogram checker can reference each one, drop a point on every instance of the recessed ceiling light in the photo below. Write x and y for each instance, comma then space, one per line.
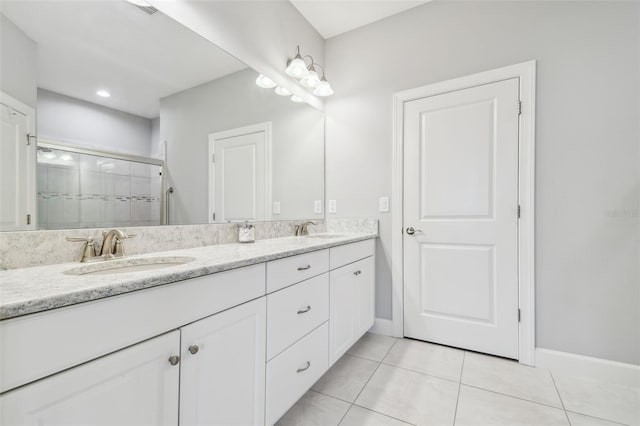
103, 93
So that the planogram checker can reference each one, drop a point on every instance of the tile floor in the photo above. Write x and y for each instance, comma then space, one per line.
386, 381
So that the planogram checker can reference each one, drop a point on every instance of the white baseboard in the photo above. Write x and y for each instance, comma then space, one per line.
595, 368
382, 326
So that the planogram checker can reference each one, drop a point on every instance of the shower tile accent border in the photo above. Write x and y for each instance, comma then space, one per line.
37, 248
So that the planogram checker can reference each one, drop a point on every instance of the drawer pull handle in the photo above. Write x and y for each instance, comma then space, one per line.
304, 268
305, 368
358, 272
305, 310
174, 360
194, 349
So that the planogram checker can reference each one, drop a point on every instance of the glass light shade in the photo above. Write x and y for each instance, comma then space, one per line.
283, 91
323, 88
103, 93
296, 98
265, 82
297, 68
311, 80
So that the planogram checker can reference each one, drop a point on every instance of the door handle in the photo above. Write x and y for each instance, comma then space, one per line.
411, 230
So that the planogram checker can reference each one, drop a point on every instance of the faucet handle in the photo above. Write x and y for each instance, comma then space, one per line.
89, 251
127, 236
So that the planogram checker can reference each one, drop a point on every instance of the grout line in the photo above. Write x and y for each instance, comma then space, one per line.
345, 414
383, 414
374, 372
421, 372
331, 396
362, 357
555, 386
599, 418
511, 396
455, 413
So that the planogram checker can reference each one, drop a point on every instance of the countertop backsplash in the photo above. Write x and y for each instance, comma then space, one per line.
36, 248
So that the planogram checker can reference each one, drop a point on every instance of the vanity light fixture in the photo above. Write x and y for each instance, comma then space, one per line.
283, 91
309, 76
103, 93
265, 82
296, 67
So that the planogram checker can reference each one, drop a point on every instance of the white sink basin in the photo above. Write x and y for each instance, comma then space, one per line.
123, 266
325, 235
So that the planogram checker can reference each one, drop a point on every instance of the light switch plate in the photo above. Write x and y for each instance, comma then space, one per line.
332, 206
383, 204
317, 206
276, 207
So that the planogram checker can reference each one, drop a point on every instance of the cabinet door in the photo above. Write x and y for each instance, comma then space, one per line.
135, 386
222, 376
352, 305
365, 283
342, 310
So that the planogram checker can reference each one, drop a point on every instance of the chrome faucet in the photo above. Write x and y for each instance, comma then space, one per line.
301, 229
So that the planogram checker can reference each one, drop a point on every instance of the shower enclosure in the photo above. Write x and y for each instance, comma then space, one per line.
86, 188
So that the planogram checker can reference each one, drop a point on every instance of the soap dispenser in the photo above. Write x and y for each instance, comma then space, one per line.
246, 233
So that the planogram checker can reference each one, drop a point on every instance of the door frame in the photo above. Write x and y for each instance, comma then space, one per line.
239, 131
526, 72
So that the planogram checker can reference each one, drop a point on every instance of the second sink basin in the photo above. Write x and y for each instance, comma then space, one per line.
122, 266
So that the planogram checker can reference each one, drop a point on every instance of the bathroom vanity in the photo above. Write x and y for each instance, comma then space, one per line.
234, 337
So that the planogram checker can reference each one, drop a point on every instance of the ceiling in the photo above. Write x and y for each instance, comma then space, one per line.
333, 17
84, 46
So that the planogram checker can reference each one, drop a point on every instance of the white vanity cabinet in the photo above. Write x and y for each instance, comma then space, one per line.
222, 368
135, 386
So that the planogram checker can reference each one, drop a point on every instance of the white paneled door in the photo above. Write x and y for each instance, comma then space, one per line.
240, 174
461, 218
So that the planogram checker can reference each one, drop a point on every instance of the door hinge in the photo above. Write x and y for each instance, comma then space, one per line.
213, 158
214, 217
518, 211
29, 137
28, 219
519, 107
519, 315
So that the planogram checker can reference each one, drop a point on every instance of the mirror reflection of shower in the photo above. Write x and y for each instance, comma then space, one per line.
79, 187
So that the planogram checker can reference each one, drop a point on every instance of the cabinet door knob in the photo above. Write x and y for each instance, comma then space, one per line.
194, 349
304, 268
174, 360
305, 310
305, 368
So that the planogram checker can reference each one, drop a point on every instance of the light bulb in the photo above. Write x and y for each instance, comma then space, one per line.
311, 80
265, 82
296, 98
297, 68
283, 91
103, 93
66, 157
323, 88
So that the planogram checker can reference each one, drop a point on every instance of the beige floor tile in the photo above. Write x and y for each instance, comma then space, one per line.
372, 346
582, 420
606, 401
346, 378
510, 378
410, 396
480, 407
358, 416
436, 360
315, 409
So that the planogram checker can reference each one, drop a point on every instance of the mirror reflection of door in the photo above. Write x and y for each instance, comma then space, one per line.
240, 174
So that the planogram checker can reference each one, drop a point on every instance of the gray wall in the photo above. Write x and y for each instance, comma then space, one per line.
187, 118
18, 60
588, 150
77, 122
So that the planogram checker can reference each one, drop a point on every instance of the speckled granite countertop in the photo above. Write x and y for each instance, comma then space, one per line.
31, 290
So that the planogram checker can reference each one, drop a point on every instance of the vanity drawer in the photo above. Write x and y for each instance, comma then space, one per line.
349, 253
284, 272
295, 311
293, 372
